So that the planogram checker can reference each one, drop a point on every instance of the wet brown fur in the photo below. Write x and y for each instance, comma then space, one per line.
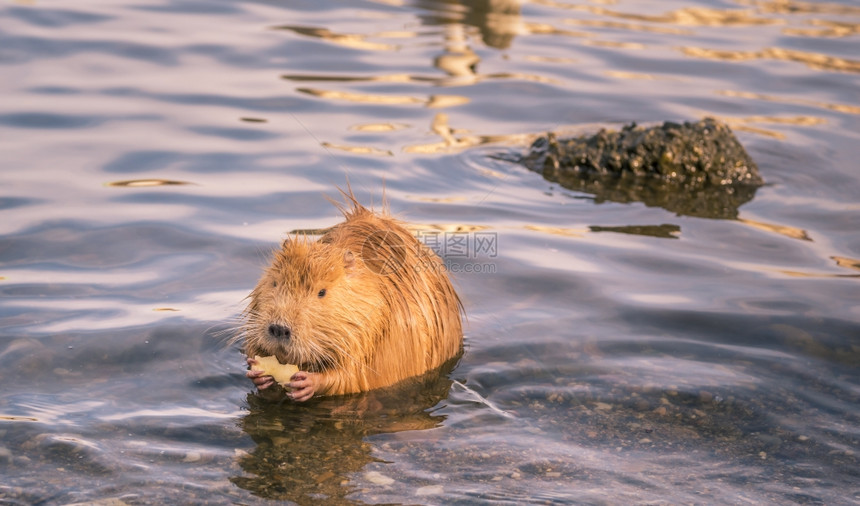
389, 311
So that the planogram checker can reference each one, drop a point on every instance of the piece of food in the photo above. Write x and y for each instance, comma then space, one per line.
271, 367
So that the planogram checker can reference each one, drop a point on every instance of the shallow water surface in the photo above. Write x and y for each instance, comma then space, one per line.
152, 153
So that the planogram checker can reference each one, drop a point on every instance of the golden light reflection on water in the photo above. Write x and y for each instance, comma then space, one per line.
351, 40
746, 123
548, 29
664, 231
454, 140
792, 273
364, 97
849, 109
790, 232
358, 150
549, 59
433, 101
459, 73
830, 29
491, 173
557, 231
783, 120
633, 27
688, 16
815, 61
614, 44
379, 127
848, 263
803, 274
619, 74
146, 183
395, 34
440, 101
743, 127
793, 7
520, 77
385, 78
13, 418
695, 16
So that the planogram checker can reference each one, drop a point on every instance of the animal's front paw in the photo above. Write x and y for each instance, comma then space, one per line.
303, 386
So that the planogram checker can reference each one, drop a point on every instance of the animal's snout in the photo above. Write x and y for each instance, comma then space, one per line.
281, 332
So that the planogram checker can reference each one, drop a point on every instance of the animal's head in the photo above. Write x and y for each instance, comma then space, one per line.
315, 306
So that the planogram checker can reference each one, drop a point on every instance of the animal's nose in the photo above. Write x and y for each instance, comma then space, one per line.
279, 331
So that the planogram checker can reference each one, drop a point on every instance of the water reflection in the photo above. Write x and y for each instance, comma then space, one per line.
817, 61
454, 139
379, 127
354, 41
620, 74
747, 124
707, 202
146, 183
614, 44
687, 16
695, 16
559, 231
848, 263
307, 453
623, 25
844, 108
664, 231
433, 101
830, 29
498, 21
793, 7
790, 232
358, 150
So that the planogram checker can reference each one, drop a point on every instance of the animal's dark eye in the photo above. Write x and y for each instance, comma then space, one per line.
275, 284
321, 293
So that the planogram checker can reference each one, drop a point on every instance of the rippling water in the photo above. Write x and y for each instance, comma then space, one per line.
152, 153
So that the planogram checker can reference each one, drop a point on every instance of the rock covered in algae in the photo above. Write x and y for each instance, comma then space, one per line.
696, 169
270, 366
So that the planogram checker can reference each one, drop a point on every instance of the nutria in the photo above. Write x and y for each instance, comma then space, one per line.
363, 307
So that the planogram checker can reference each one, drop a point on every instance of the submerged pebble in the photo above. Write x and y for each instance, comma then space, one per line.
378, 478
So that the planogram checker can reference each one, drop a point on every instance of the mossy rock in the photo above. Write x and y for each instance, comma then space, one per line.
697, 169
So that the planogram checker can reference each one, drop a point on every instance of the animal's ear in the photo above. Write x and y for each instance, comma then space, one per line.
348, 261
